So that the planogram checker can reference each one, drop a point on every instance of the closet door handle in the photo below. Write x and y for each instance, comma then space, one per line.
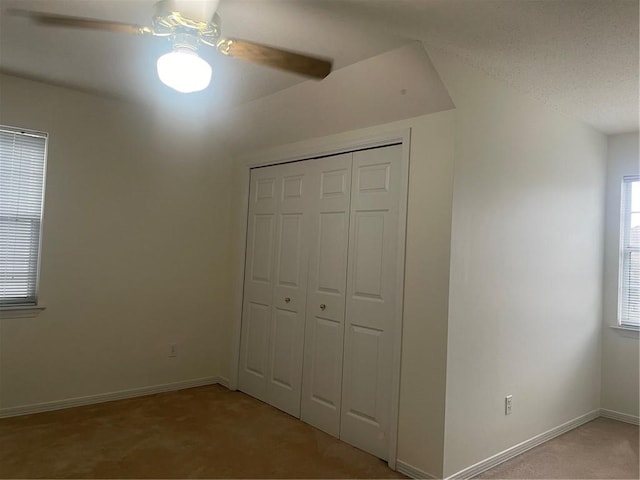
323, 307
287, 299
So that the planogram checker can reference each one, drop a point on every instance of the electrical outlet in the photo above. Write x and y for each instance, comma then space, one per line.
173, 350
508, 403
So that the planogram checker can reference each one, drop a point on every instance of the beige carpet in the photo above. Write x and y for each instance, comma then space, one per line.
202, 432
599, 449
211, 432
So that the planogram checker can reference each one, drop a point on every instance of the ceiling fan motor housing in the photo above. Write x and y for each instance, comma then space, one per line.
178, 26
185, 40
200, 11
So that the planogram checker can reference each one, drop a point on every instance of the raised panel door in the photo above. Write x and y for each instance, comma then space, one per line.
322, 379
259, 282
284, 382
371, 299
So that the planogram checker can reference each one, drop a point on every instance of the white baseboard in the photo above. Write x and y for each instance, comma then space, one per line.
622, 417
411, 471
520, 448
225, 382
106, 397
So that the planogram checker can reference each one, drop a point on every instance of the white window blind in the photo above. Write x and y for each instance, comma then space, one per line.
630, 253
22, 166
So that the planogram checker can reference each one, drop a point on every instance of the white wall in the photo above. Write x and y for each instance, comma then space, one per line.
134, 254
526, 267
521, 313
619, 349
422, 384
424, 348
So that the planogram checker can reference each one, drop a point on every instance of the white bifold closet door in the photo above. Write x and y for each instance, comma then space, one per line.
324, 336
372, 298
321, 292
275, 286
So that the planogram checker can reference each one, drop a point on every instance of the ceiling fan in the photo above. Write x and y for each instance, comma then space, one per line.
189, 25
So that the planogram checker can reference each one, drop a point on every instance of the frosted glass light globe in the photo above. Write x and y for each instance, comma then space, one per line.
184, 71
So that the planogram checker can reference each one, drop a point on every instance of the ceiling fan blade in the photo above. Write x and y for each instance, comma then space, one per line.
78, 22
275, 57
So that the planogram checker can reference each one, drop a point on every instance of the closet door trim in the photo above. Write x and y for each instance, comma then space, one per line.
315, 149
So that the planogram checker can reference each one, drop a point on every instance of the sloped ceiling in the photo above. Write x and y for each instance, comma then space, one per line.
579, 57
392, 86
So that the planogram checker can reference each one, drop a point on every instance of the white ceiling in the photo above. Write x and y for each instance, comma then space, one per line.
578, 56
124, 65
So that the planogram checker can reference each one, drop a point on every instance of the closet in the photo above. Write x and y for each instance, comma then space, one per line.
321, 291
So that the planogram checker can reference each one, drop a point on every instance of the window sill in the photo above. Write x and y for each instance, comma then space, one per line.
21, 311
627, 331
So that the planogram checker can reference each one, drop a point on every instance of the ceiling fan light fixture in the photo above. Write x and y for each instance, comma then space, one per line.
184, 70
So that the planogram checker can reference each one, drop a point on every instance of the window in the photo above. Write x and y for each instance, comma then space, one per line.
629, 314
22, 165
